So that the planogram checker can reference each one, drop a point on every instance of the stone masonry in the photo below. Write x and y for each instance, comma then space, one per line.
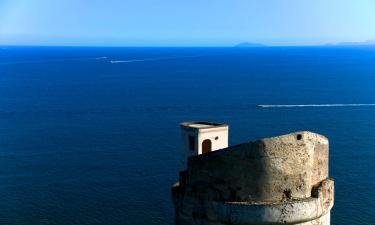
279, 180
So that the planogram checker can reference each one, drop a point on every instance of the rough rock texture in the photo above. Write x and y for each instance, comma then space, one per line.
280, 180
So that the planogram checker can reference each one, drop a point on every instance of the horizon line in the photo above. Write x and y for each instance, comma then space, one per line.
186, 46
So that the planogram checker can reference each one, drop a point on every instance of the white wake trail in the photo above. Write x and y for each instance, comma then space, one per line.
141, 60
315, 105
53, 60
155, 59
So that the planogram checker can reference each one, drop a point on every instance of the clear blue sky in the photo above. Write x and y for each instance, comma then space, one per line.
184, 22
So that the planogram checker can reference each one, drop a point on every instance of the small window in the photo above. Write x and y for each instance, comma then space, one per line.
192, 143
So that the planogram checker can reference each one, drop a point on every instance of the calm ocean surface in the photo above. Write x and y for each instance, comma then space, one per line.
91, 135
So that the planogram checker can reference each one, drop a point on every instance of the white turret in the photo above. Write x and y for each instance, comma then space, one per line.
203, 137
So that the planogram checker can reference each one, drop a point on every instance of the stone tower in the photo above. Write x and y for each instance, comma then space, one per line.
279, 180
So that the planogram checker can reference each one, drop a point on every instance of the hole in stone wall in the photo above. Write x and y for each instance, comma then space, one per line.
299, 136
287, 194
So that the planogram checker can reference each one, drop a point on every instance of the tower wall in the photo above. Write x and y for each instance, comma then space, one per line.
280, 180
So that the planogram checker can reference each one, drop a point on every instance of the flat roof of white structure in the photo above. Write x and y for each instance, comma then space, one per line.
202, 124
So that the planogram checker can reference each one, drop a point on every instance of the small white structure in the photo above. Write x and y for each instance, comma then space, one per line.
203, 137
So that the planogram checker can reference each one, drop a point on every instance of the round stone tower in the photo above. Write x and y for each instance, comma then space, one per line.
279, 180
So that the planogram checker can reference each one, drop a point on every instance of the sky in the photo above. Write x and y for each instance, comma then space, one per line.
185, 22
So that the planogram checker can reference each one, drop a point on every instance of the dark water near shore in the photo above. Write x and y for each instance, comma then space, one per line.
86, 141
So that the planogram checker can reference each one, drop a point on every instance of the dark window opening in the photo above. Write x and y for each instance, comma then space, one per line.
299, 136
192, 143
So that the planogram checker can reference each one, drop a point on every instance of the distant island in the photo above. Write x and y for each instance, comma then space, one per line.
249, 44
365, 43
348, 44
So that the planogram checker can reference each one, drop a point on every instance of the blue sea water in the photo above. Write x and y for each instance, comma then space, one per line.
91, 135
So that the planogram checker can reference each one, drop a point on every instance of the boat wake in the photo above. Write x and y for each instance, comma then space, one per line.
54, 60
138, 60
315, 105
142, 60
102, 58
154, 59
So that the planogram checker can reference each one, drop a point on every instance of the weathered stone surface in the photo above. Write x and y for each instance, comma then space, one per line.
280, 180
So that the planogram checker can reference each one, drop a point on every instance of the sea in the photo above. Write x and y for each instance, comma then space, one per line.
90, 135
